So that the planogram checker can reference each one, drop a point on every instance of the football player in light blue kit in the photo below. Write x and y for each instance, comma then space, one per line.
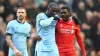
17, 34
45, 25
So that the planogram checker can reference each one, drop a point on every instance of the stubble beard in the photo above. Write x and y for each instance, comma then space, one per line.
21, 17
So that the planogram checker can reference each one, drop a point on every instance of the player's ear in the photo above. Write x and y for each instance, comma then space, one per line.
16, 14
25, 14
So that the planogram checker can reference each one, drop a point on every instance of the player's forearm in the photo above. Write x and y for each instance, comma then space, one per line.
46, 22
29, 41
9, 42
81, 44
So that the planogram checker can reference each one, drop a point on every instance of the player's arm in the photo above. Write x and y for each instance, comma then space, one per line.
29, 39
9, 33
29, 44
80, 41
44, 22
9, 41
11, 45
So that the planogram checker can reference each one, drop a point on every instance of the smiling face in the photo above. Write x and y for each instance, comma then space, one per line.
21, 13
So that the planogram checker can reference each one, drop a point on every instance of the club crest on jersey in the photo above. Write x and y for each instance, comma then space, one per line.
61, 25
72, 31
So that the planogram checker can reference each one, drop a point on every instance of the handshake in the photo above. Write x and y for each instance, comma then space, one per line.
56, 17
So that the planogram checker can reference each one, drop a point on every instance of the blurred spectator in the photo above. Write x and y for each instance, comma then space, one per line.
97, 5
1, 53
75, 4
43, 6
61, 3
94, 33
2, 36
9, 18
38, 2
32, 41
86, 25
81, 11
31, 13
2, 9
92, 53
91, 5
97, 40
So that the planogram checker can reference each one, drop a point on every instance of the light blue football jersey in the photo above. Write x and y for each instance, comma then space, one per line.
46, 30
20, 32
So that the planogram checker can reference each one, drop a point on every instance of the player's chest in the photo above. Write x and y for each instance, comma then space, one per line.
65, 28
21, 29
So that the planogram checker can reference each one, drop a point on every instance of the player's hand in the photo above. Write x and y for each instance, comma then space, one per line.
56, 17
17, 52
84, 54
38, 38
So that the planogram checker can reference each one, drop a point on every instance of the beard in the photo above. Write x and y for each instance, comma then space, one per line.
21, 17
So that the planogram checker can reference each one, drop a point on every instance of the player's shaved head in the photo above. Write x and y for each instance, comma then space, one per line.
52, 9
65, 12
66, 7
52, 5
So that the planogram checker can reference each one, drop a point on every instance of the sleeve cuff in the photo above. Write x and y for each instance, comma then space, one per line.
9, 34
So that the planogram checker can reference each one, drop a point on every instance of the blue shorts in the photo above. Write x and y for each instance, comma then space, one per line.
11, 53
46, 53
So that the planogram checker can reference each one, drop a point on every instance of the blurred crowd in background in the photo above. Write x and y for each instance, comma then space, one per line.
88, 11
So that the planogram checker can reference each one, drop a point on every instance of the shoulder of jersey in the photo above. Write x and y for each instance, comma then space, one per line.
12, 21
40, 13
28, 24
60, 20
76, 20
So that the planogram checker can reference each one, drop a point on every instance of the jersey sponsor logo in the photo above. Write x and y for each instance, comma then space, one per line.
21, 34
67, 31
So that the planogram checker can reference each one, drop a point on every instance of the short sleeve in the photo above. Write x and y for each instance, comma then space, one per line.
29, 33
9, 29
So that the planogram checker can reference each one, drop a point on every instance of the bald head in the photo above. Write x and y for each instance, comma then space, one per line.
52, 9
52, 5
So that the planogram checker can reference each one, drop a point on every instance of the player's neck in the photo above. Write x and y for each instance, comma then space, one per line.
66, 19
21, 21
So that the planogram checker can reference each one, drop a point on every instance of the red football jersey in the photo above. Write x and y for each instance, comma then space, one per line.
65, 33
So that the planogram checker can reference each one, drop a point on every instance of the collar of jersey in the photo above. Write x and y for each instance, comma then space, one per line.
68, 22
20, 22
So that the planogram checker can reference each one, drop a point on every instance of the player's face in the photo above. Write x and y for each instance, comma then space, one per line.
64, 14
53, 11
21, 14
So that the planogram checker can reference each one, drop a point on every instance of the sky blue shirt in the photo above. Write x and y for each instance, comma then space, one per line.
46, 30
20, 32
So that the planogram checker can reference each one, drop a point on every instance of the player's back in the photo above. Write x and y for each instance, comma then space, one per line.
47, 34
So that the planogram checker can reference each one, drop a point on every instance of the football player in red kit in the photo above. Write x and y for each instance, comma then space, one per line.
66, 29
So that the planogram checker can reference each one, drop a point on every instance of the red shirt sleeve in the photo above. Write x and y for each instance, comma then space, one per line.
79, 40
